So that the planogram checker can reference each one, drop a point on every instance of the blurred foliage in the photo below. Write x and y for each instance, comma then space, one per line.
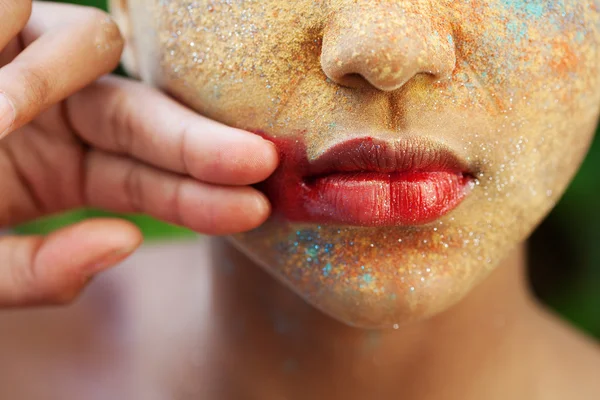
93, 3
564, 252
151, 228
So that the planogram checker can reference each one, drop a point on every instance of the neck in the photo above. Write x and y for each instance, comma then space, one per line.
284, 348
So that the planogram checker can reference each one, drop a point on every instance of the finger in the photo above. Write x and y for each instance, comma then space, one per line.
68, 47
54, 269
123, 116
123, 185
19, 12
10, 51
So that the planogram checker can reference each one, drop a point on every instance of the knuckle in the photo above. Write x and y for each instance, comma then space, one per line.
175, 204
184, 154
220, 161
23, 278
211, 223
37, 85
122, 123
133, 188
29, 287
213, 164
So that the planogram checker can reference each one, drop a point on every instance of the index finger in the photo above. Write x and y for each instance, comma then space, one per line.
127, 117
66, 48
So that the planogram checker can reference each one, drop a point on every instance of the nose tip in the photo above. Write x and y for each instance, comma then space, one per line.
385, 52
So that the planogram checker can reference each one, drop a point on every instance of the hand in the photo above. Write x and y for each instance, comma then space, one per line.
113, 144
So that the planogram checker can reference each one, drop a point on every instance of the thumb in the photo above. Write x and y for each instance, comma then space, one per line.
37, 270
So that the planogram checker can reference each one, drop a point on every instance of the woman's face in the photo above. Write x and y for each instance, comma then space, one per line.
420, 140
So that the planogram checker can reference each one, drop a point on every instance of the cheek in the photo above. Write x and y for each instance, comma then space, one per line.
536, 64
532, 52
211, 51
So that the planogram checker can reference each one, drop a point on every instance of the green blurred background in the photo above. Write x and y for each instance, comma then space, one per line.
564, 251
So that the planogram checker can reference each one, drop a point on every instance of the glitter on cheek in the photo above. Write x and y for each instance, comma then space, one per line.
519, 106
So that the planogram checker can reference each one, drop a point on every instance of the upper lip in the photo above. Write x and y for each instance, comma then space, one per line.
373, 155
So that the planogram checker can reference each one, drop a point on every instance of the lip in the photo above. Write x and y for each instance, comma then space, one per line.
369, 182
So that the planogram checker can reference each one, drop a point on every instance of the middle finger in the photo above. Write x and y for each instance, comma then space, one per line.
123, 185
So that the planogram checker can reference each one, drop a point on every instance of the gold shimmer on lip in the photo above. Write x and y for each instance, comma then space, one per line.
520, 102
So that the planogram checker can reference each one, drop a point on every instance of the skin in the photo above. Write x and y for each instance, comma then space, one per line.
509, 86
71, 140
198, 320
222, 328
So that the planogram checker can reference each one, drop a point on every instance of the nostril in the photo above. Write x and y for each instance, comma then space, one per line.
354, 80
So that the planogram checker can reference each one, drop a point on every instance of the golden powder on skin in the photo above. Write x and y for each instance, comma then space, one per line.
510, 86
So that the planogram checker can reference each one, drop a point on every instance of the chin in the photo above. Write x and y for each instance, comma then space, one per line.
374, 311
370, 277
397, 193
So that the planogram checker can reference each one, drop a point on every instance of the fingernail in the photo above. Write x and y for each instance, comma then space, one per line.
109, 260
7, 115
273, 145
274, 150
262, 203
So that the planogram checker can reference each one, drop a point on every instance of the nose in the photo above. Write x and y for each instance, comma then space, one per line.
386, 45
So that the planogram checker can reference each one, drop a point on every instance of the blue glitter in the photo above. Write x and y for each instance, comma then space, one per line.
517, 29
327, 269
532, 8
311, 251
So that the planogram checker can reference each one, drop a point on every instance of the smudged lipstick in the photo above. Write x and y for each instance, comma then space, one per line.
366, 182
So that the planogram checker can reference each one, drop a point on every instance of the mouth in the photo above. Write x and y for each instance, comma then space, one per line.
365, 182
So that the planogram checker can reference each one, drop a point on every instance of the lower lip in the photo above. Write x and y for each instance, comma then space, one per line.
372, 198
362, 198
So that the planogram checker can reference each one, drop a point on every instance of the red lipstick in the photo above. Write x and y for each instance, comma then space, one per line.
365, 182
